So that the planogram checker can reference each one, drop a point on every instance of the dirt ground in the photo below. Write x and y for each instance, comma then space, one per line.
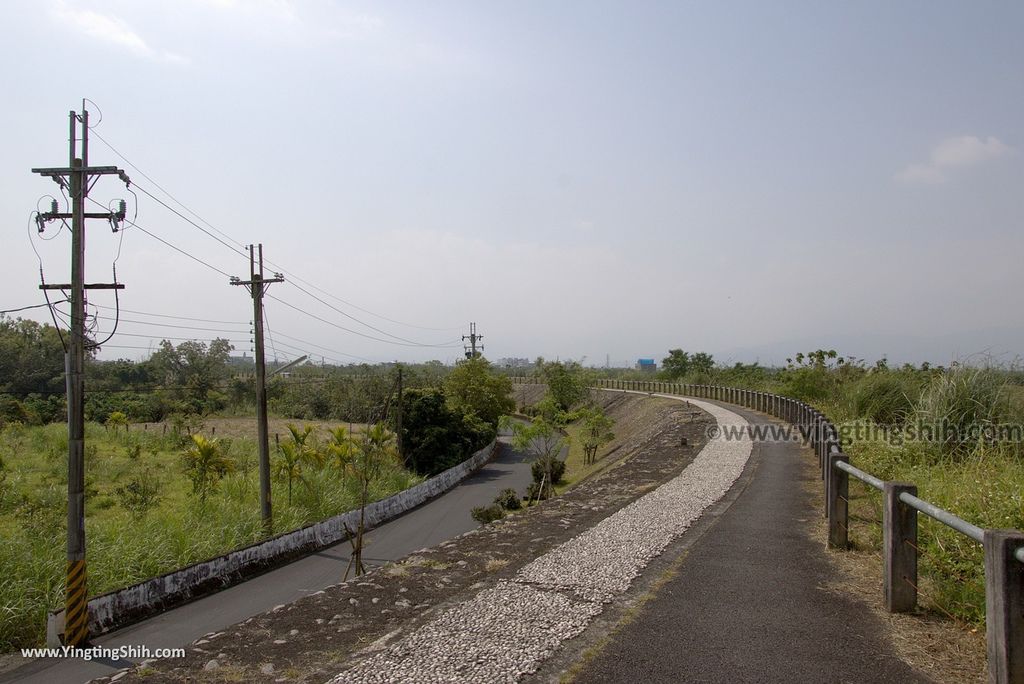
313, 638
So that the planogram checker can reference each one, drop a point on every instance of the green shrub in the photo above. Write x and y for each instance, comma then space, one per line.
557, 470
486, 514
509, 500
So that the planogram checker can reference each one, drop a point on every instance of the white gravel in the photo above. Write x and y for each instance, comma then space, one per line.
507, 630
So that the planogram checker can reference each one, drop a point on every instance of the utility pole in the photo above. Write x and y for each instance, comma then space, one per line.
471, 352
75, 178
257, 287
398, 417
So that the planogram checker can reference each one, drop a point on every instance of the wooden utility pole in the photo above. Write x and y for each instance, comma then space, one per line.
257, 287
75, 178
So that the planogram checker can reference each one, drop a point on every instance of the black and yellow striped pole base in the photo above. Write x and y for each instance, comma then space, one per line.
76, 606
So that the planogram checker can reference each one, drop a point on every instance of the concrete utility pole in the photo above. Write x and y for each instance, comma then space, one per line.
257, 287
398, 418
75, 178
471, 352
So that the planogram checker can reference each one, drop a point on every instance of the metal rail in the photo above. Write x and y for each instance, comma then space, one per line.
861, 475
944, 517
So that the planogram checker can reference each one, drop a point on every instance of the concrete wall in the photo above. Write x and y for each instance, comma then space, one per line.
124, 606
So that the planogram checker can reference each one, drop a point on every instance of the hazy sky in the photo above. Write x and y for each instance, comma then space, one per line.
579, 178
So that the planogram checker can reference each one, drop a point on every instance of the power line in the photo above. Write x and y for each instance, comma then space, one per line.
25, 308
356, 332
163, 190
293, 277
241, 247
182, 339
303, 351
180, 318
174, 247
349, 316
327, 349
186, 218
169, 325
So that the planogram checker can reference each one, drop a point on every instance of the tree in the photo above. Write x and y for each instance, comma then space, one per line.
541, 439
676, 364
376, 448
194, 371
596, 431
206, 465
702, 362
435, 436
473, 388
566, 381
31, 358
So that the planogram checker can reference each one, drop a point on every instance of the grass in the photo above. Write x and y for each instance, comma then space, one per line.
576, 470
125, 547
984, 489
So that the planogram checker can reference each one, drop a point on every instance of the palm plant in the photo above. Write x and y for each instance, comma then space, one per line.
374, 449
206, 463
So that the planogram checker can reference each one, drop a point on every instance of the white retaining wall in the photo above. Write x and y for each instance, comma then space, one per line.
124, 606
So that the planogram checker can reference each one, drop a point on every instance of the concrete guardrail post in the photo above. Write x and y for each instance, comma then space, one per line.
838, 502
899, 549
1004, 606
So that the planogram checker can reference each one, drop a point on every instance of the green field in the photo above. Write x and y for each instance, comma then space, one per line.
126, 540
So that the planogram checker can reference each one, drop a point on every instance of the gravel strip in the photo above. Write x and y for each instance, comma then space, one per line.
506, 631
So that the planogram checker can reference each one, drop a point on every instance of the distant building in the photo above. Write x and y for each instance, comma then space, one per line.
647, 365
512, 363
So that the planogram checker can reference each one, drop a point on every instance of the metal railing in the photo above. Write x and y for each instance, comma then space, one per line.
1003, 549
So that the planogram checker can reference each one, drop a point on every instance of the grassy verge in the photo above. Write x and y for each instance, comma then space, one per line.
128, 542
576, 470
984, 489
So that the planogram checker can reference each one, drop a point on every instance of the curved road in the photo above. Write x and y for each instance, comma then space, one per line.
750, 602
428, 525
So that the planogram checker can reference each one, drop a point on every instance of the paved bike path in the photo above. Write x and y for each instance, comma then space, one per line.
747, 604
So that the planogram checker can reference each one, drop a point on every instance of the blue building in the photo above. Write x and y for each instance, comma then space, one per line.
646, 365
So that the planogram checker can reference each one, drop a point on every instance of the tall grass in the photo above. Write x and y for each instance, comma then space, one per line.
123, 548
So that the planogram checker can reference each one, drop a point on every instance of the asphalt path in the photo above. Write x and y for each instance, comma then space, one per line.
438, 520
748, 602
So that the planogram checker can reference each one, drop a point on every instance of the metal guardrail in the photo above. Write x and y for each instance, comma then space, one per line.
945, 517
861, 475
1004, 549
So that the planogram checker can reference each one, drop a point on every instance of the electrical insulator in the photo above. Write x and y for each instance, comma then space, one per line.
121, 208
53, 207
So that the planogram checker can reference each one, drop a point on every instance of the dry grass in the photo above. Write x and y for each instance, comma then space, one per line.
495, 564
942, 649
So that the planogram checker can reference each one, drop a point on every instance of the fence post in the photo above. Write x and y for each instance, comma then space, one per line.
899, 549
1004, 606
838, 500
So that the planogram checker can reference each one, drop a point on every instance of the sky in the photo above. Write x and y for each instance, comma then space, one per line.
599, 181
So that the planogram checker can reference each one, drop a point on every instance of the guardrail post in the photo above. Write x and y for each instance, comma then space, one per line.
1004, 606
899, 549
838, 493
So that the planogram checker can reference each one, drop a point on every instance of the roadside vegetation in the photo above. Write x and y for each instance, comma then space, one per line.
171, 465
933, 426
563, 436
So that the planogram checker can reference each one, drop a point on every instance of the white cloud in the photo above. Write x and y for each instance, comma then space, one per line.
112, 30
952, 153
